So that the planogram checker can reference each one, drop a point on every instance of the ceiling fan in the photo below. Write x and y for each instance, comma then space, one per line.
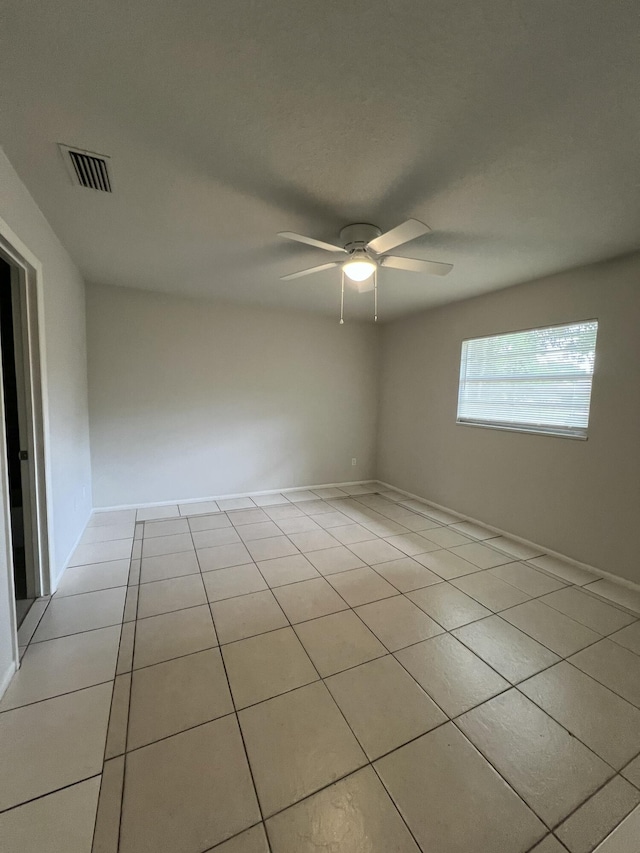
367, 248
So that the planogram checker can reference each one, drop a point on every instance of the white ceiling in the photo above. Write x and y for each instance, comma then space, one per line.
510, 127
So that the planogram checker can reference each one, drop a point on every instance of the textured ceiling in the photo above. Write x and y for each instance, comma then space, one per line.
510, 127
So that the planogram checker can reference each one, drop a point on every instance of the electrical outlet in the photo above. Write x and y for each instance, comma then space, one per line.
353, 461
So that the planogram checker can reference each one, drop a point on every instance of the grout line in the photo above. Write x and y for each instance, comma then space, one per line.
63, 693
133, 652
220, 844
323, 679
48, 793
111, 709
233, 704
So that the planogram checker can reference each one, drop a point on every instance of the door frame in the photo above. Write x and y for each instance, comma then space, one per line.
27, 282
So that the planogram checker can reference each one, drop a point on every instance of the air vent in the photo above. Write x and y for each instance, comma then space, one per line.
88, 169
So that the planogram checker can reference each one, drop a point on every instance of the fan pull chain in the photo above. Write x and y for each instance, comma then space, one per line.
375, 295
342, 301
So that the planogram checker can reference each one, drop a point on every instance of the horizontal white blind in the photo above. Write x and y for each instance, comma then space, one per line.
538, 380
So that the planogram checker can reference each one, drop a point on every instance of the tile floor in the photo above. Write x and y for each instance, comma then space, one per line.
330, 670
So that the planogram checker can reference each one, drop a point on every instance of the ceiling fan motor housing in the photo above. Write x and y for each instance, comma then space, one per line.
358, 235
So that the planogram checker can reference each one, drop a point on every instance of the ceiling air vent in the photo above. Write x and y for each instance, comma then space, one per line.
87, 169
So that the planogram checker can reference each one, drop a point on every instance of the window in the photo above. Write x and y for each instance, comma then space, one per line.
533, 381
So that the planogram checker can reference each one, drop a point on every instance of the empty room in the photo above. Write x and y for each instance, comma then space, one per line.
320, 444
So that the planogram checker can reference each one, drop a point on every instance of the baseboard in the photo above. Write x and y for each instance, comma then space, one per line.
53, 582
5, 680
234, 495
596, 572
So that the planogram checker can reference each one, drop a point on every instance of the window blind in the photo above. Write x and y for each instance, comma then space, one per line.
538, 380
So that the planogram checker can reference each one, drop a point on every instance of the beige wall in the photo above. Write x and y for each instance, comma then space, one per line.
192, 398
581, 498
63, 317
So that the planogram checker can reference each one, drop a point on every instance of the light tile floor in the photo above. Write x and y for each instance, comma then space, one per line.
323, 670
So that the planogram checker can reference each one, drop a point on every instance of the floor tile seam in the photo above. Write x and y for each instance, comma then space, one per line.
271, 630
98, 543
167, 660
581, 589
105, 541
511, 606
113, 694
233, 705
100, 793
49, 793
131, 749
37, 625
353, 608
599, 597
220, 844
518, 681
347, 606
149, 538
115, 676
548, 829
85, 631
126, 735
396, 659
597, 680
565, 584
587, 800
550, 574
474, 571
392, 798
319, 790
610, 637
562, 658
350, 608
553, 837
628, 611
280, 586
320, 680
599, 638
552, 827
56, 595
174, 577
59, 695
403, 592
636, 785
334, 544
109, 560
144, 556
571, 734
289, 625
293, 544
174, 609
554, 609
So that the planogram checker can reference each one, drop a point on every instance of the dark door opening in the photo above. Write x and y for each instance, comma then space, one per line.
22, 573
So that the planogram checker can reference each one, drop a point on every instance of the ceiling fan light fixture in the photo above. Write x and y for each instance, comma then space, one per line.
359, 269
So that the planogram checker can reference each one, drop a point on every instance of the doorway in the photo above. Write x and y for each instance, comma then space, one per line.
16, 439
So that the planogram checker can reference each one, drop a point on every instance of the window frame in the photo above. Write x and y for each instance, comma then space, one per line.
531, 429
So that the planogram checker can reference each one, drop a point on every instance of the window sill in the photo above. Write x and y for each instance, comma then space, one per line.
529, 430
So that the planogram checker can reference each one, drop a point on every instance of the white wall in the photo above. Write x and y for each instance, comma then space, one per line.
581, 498
63, 315
191, 398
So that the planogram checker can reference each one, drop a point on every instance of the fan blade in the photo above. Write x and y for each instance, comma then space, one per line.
319, 244
409, 230
414, 265
309, 271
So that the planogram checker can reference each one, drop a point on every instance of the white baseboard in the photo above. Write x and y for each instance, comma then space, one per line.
6, 677
54, 581
234, 495
596, 572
